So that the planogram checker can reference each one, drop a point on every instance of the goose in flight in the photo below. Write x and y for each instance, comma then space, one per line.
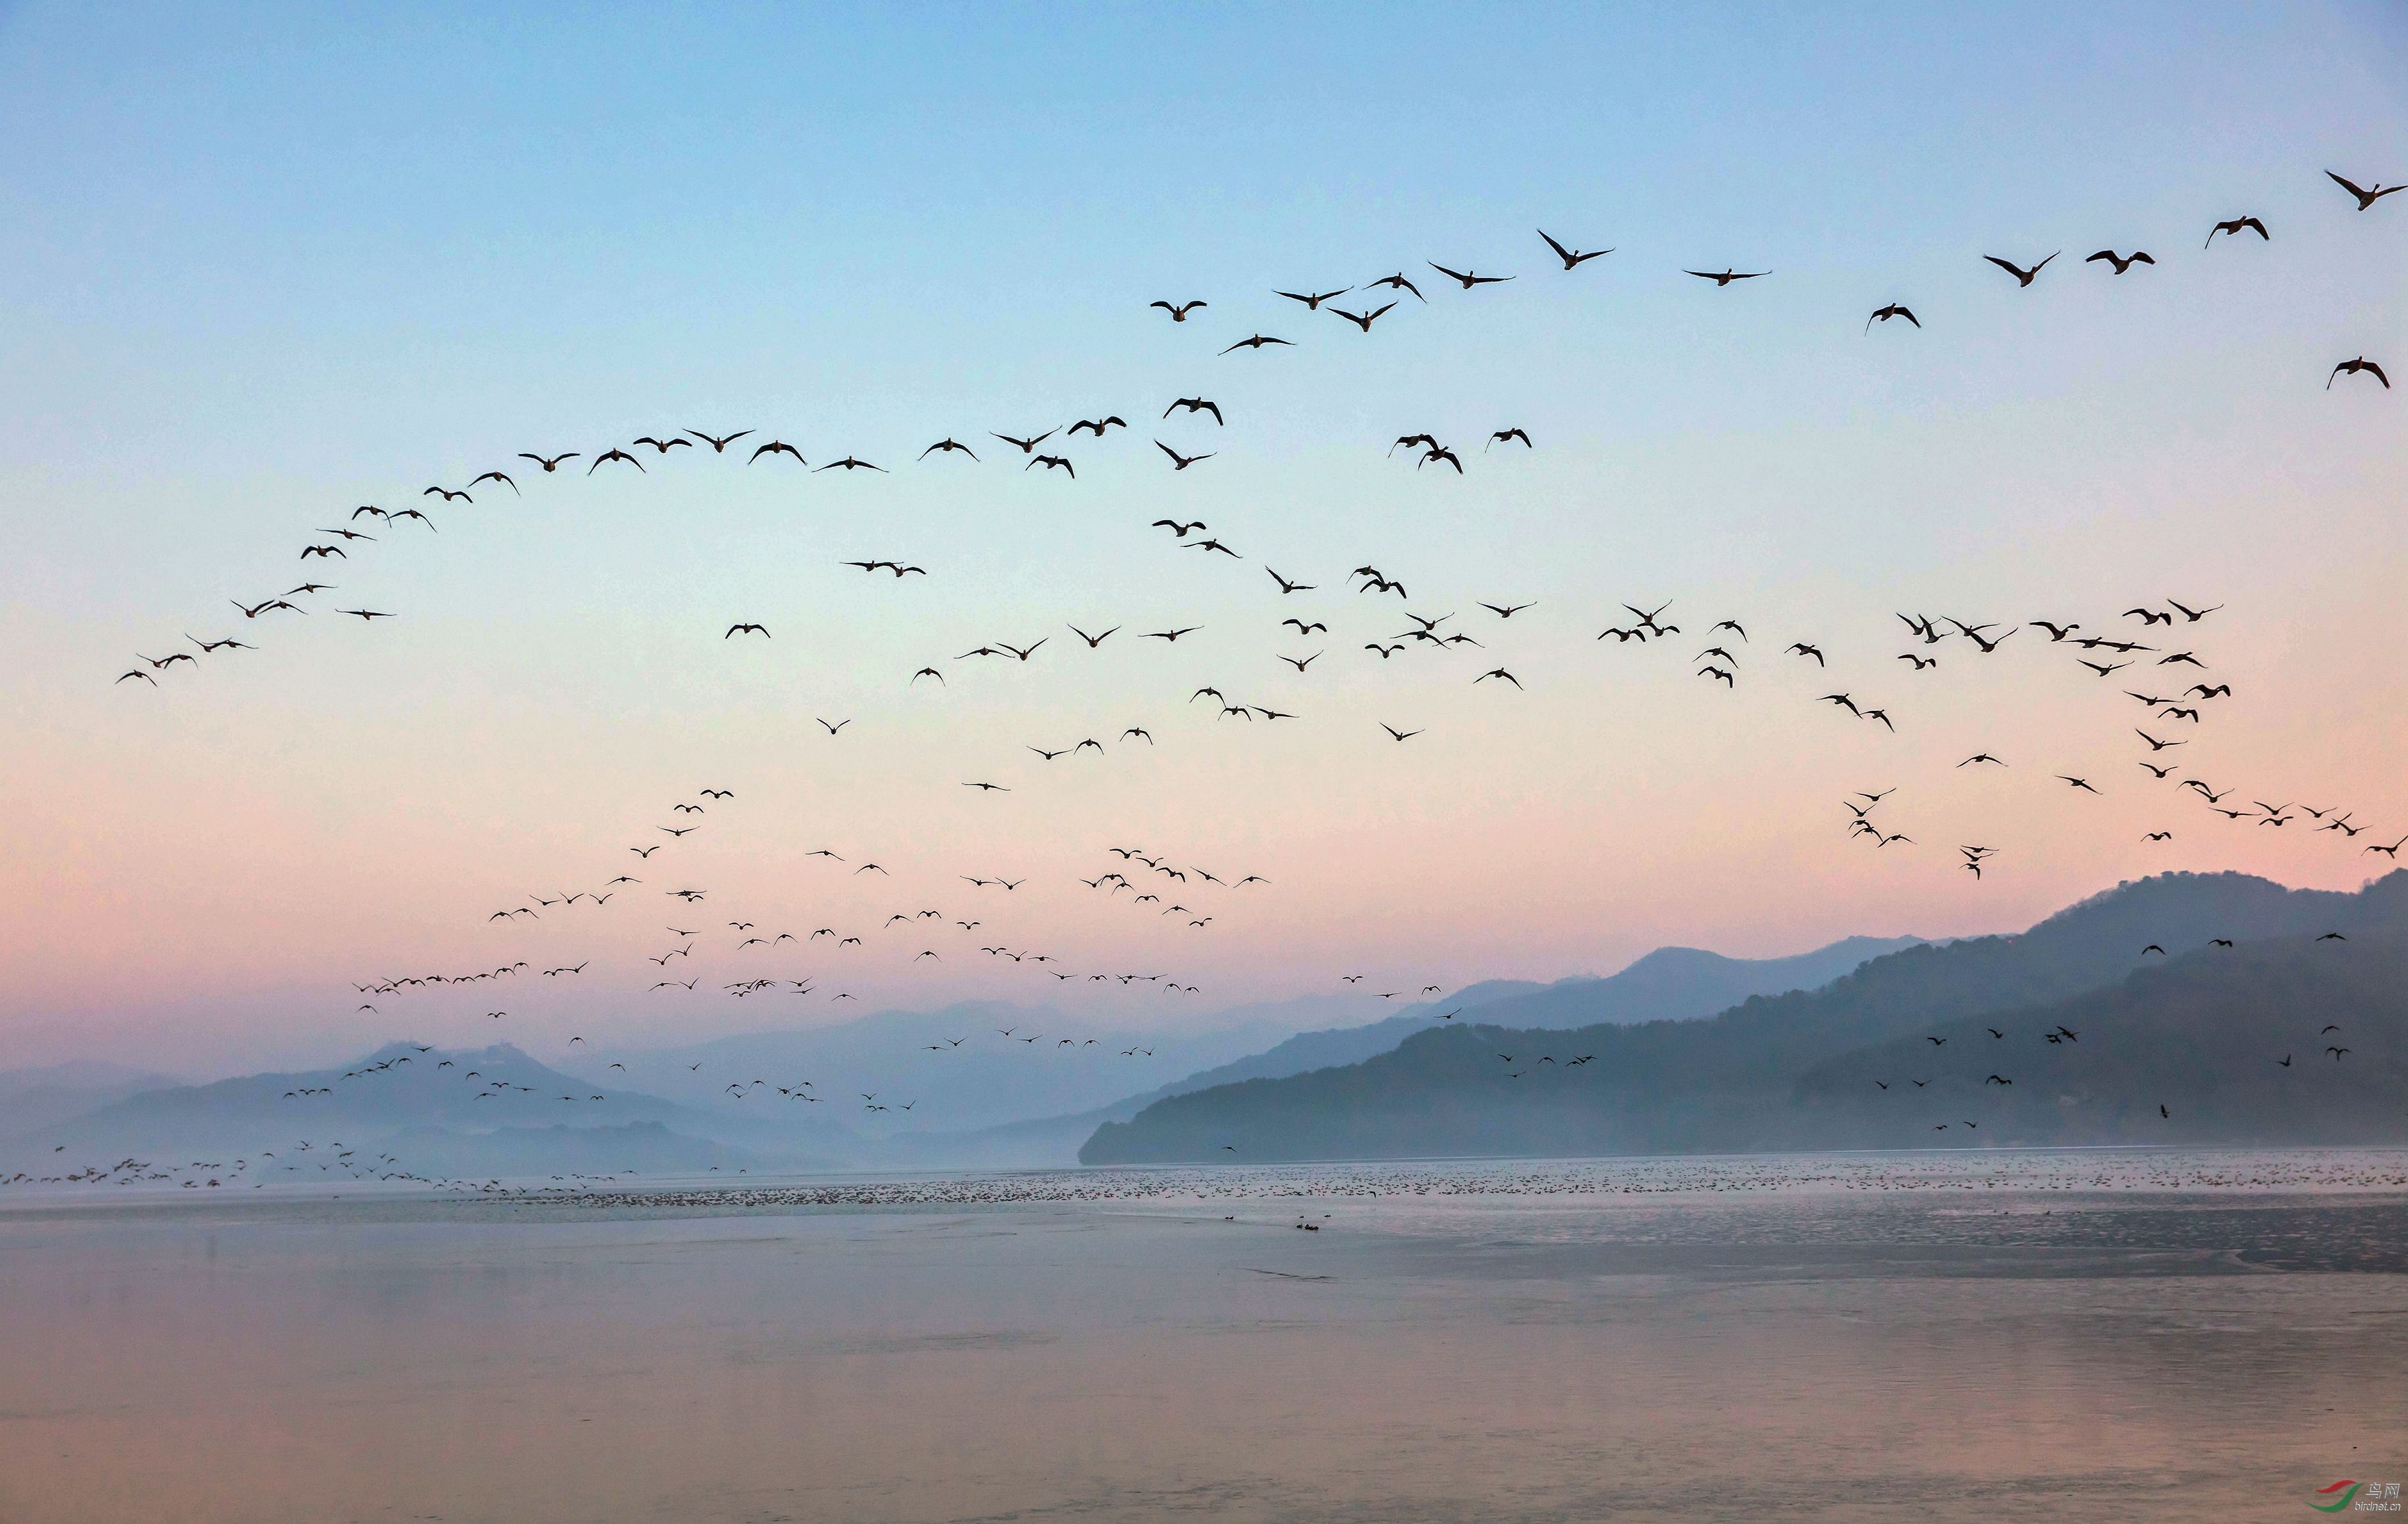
2366, 198
2022, 277
1727, 275
2233, 228
1179, 312
1364, 319
1574, 259
2121, 261
1468, 278
2356, 366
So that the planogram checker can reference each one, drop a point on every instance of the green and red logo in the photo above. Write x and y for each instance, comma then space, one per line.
2348, 1490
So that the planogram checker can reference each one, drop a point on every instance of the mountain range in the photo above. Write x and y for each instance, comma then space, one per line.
738, 1102
1681, 1050
2174, 1018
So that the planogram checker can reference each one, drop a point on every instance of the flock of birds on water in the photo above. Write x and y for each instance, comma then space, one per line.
2151, 651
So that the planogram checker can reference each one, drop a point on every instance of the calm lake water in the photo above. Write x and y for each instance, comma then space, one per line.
2043, 1336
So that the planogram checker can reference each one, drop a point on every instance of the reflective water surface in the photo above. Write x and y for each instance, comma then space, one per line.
2070, 1337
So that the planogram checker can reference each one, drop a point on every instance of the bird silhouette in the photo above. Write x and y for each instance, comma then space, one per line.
2361, 365
2367, 197
2121, 261
2022, 277
1574, 259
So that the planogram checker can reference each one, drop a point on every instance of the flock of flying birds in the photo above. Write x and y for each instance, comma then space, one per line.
2148, 651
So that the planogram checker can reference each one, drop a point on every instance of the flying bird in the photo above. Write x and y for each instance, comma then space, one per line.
2022, 277
1574, 259
2121, 261
2366, 198
1467, 278
2358, 365
1364, 319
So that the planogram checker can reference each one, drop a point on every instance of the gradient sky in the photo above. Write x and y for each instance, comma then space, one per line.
267, 265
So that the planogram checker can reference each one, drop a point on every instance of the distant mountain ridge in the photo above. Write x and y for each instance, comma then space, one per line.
399, 1087
1668, 984
1730, 1081
1075, 1065
1671, 982
44, 1097
700, 1104
1678, 983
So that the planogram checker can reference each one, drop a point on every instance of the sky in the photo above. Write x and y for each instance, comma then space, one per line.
270, 264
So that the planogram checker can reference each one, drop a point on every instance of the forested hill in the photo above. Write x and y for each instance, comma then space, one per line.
1783, 1071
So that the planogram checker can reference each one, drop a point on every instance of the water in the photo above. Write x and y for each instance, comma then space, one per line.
2203, 1335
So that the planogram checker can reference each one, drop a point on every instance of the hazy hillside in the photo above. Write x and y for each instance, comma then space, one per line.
987, 1080
1733, 1080
399, 1088
2203, 1035
1678, 983
44, 1097
1670, 981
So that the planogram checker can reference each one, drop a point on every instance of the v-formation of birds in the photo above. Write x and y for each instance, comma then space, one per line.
1374, 601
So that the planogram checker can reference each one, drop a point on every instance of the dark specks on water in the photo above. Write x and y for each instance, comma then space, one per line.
2048, 1336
